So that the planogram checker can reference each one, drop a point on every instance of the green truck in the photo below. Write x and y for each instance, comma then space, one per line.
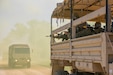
19, 55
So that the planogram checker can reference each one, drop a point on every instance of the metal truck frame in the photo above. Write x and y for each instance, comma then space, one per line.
19, 55
91, 55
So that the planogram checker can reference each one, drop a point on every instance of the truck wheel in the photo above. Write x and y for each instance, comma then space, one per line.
61, 72
98, 73
9, 64
28, 65
13, 65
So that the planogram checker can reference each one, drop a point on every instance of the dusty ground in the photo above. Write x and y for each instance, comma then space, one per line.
34, 70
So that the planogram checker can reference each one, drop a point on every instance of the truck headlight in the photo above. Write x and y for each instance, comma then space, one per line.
16, 60
28, 60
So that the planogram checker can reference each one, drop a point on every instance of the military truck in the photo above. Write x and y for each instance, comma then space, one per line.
19, 55
89, 54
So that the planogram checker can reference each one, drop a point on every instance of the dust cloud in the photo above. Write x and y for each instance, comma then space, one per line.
32, 33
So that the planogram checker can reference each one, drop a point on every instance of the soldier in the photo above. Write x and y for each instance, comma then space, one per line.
62, 36
80, 29
65, 36
86, 30
98, 28
112, 27
91, 30
83, 30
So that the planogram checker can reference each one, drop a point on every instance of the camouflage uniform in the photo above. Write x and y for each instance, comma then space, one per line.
98, 28
65, 36
84, 30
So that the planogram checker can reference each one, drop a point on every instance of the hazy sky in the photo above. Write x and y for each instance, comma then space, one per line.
22, 11
16, 15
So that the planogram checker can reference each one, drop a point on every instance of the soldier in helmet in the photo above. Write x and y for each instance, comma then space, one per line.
98, 28
65, 36
112, 27
86, 30
80, 29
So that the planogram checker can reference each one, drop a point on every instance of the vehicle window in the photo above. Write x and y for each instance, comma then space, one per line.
22, 50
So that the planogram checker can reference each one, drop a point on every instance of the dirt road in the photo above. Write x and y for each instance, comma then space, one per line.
34, 70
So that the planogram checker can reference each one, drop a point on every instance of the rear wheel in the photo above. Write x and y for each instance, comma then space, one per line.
12, 65
9, 63
98, 73
61, 72
29, 65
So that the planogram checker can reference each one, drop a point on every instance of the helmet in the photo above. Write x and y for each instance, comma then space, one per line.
84, 26
97, 25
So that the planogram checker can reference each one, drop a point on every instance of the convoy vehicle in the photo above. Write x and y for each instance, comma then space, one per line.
90, 54
19, 54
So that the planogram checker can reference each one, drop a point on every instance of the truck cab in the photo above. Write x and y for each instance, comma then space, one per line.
19, 55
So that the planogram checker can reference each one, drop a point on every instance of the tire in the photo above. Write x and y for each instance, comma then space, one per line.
13, 65
61, 72
28, 65
9, 63
98, 73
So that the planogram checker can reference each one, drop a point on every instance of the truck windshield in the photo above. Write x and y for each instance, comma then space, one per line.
22, 50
